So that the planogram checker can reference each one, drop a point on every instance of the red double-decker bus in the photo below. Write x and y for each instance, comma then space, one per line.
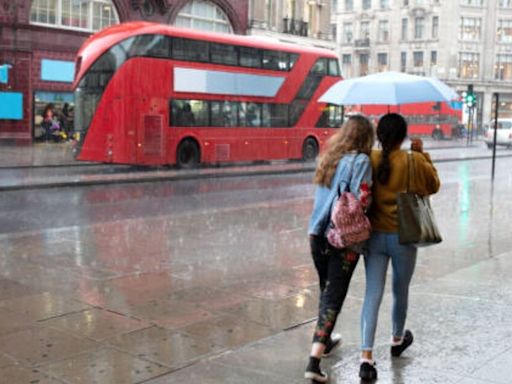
439, 120
153, 94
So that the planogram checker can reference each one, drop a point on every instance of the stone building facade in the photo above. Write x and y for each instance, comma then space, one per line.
462, 42
39, 41
305, 22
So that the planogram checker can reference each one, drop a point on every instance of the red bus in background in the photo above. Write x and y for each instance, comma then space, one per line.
153, 94
439, 120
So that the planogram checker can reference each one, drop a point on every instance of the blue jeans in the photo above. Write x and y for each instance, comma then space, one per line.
382, 247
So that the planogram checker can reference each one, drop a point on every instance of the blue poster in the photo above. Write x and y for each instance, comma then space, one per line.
4, 73
11, 105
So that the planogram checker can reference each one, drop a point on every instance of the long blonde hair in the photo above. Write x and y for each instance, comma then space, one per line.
356, 134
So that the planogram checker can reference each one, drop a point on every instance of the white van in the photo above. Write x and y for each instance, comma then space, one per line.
504, 134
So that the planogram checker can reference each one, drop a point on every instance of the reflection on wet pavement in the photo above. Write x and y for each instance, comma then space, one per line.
123, 284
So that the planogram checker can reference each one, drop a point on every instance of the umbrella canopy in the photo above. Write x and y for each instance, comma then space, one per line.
388, 88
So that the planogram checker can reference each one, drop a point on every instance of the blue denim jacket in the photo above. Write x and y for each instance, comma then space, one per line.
324, 197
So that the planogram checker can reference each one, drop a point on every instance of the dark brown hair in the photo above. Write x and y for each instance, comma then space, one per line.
391, 131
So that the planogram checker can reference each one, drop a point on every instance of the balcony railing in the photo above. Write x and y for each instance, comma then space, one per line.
362, 43
295, 27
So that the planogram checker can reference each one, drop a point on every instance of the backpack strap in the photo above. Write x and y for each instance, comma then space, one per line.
347, 186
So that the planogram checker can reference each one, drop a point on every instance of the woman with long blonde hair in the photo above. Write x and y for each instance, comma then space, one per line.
343, 166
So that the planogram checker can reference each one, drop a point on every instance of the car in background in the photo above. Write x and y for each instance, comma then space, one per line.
504, 133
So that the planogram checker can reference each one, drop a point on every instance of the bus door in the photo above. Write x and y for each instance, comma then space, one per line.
151, 133
121, 129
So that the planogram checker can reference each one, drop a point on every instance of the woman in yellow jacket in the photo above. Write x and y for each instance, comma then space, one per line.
390, 174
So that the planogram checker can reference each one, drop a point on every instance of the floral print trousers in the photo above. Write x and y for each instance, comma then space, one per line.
335, 268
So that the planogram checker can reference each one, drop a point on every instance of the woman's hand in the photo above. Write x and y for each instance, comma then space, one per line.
416, 144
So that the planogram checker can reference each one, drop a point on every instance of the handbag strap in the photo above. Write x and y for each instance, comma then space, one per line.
350, 175
410, 171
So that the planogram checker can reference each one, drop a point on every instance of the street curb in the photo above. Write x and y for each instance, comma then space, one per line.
195, 175
88, 164
63, 165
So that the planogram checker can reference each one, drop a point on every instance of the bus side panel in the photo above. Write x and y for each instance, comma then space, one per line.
306, 126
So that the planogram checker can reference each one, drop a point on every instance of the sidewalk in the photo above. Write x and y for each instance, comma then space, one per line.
213, 283
25, 177
61, 154
461, 322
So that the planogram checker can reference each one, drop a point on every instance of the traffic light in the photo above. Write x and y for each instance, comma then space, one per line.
470, 98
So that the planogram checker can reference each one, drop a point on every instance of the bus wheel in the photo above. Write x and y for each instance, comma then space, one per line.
188, 155
309, 149
437, 134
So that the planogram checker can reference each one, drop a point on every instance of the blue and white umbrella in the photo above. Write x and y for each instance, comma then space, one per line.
388, 88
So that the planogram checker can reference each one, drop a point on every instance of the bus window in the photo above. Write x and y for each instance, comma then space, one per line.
297, 107
182, 115
309, 86
320, 67
293, 59
250, 57
331, 117
275, 115
151, 45
249, 114
201, 112
223, 54
334, 68
193, 50
223, 114
275, 60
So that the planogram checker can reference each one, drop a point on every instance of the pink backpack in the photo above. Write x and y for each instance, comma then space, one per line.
349, 224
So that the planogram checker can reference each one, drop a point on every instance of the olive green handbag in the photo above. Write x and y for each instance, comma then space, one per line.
416, 222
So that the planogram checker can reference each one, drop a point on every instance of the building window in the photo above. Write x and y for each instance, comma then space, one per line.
405, 27
384, 4
205, 16
347, 33
346, 65
367, 4
403, 61
349, 5
363, 64
504, 31
475, 3
90, 15
469, 65
382, 62
383, 31
365, 30
505, 3
334, 31
433, 58
418, 58
435, 27
405, 3
503, 67
470, 28
419, 27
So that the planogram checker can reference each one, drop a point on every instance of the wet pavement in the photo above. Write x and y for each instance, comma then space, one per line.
210, 281
72, 173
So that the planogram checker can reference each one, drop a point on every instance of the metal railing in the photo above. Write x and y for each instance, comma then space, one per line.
295, 27
362, 43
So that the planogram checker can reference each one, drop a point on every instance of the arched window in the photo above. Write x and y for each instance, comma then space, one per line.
203, 15
86, 15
